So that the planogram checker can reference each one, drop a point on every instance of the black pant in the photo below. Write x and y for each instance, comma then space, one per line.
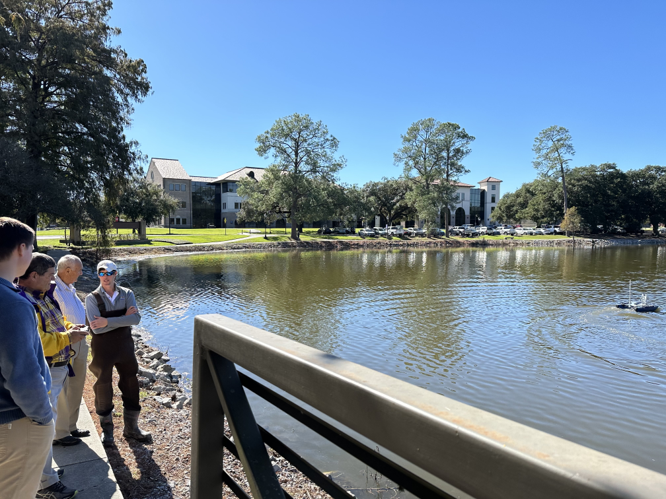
115, 348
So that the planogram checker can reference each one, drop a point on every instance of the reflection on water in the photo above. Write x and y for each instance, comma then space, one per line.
529, 334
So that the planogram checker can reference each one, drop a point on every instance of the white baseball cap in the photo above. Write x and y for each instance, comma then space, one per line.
107, 265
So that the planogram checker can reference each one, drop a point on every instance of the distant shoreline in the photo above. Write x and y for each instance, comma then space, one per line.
125, 252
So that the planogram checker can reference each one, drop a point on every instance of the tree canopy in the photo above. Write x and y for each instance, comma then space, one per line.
552, 148
141, 200
431, 155
303, 171
66, 99
388, 198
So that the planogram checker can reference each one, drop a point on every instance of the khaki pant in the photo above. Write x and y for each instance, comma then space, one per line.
24, 446
69, 400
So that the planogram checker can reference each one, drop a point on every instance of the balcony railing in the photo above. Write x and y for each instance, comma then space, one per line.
444, 448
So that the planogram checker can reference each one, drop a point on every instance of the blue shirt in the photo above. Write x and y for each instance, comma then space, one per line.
25, 379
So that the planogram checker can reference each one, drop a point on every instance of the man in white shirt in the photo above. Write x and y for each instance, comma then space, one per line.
70, 269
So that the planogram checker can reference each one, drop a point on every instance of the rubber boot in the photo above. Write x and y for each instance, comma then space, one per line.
106, 422
132, 429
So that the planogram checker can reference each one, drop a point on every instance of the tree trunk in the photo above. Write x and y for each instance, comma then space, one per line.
32, 222
564, 189
294, 223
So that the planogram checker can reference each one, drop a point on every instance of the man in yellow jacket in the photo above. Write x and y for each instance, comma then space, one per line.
58, 336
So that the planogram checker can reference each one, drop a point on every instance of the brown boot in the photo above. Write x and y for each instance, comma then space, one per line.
132, 429
106, 422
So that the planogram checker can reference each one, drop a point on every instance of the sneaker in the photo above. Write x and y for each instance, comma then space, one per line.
56, 491
61, 472
80, 433
67, 441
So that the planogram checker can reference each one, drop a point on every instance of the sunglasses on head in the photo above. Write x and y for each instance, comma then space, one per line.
101, 273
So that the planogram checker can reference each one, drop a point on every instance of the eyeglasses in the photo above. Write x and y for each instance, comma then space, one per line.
101, 273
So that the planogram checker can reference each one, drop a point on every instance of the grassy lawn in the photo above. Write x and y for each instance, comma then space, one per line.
199, 238
261, 240
218, 235
152, 231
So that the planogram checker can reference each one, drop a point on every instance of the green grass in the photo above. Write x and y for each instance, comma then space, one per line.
202, 236
261, 240
153, 231
200, 239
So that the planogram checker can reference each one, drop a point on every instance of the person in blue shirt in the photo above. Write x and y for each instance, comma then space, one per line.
26, 419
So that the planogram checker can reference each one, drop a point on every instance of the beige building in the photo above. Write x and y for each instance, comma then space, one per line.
175, 181
204, 201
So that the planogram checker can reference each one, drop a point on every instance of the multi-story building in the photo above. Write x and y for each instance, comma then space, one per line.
475, 205
175, 181
204, 201
214, 201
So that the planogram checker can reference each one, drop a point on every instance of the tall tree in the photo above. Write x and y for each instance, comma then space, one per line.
67, 96
455, 143
552, 148
422, 157
304, 167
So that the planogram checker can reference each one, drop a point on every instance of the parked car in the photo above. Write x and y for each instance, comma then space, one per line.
341, 230
396, 230
539, 231
380, 231
367, 232
419, 232
548, 229
487, 231
508, 231
457, 230
471, 231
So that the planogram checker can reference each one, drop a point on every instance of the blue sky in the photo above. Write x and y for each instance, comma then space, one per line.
223, 72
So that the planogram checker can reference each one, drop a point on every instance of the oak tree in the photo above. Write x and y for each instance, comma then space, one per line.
67, 98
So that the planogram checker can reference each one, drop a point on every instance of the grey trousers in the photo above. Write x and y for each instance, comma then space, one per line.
69, 401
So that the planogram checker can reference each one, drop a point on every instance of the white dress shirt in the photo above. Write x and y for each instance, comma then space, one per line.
70, 304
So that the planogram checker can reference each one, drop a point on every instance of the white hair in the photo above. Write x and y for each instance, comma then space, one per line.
68, 262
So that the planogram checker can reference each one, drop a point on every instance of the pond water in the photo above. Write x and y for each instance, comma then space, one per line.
529, 334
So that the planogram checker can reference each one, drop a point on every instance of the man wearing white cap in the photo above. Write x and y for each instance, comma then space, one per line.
111, 312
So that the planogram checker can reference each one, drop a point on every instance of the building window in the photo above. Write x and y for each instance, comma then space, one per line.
492, 198
170, 187
177, 187
183, 204
224, 206
492, 208
184, 221
152, 176
492, 187
172, 221
462, 196
177, 220
236, 206
183, 187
